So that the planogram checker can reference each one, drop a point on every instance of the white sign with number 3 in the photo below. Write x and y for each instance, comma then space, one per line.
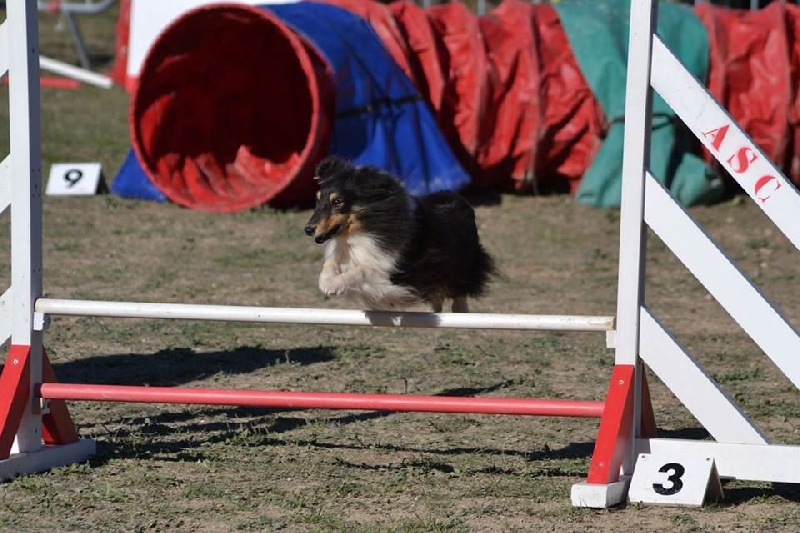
674, 480
68, 179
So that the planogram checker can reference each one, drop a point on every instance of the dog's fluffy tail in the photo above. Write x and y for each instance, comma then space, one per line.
487, 269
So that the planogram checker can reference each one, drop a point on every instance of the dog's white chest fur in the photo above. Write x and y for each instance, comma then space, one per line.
356, 267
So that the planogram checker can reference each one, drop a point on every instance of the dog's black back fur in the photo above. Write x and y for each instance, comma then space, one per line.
443, 253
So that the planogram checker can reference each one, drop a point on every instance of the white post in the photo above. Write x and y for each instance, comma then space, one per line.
26, 199
636, 158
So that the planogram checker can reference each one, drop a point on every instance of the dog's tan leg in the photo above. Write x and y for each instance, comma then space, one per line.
327, 278
460, 305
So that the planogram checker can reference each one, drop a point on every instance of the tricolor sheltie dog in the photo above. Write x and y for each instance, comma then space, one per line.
386, 249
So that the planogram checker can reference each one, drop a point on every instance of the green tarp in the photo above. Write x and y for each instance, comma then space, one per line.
598, 34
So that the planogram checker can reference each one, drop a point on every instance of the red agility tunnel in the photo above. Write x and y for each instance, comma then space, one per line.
233, 122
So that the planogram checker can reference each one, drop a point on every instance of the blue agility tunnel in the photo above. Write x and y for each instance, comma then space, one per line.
235, 106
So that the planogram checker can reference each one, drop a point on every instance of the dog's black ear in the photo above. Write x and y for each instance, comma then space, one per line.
330, 167
375, 185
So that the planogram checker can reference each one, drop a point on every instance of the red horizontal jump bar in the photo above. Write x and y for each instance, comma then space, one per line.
322, 400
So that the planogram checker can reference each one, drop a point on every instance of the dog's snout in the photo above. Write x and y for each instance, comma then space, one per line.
310, 230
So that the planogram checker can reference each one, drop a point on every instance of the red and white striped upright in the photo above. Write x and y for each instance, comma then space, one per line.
26, 424
607, 481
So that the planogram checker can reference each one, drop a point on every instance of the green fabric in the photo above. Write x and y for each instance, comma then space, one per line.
598, 34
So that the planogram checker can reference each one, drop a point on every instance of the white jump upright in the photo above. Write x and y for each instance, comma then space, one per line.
628, 460
739, 450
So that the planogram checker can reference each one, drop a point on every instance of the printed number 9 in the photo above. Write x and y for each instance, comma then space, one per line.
73, 176
674, 478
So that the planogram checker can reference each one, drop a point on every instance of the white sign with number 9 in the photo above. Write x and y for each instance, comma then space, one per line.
71, 179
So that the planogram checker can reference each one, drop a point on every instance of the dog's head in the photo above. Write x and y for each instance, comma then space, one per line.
345, 193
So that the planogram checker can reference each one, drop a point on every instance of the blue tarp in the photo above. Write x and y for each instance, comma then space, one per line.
132, 182
381, 119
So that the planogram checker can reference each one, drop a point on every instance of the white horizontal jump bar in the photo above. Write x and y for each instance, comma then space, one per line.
76, 73
342, 317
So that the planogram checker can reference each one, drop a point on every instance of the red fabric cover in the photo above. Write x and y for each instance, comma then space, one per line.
792, 160
465, 69
425, 58
750, 73
512, 121
573, 123
239, 122
506, 90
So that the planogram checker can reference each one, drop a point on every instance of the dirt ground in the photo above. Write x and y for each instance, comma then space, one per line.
241, 469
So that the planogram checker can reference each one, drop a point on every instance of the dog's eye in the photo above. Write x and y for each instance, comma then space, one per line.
336, 202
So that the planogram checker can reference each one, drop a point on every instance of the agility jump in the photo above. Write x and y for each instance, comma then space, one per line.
36, 432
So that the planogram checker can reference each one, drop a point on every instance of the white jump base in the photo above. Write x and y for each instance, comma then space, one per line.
331, 317
47, 457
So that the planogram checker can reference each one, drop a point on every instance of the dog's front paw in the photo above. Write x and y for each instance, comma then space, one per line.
332, 291
329, 287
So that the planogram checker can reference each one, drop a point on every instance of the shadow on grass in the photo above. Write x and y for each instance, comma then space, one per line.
229, 423
125, 445
154, 437
739, 495
696, 433
177, 366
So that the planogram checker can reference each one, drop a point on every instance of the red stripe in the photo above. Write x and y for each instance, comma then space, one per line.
614, 434
57, 425
14, 389
54, 83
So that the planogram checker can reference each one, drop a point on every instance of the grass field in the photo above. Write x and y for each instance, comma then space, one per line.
235, 469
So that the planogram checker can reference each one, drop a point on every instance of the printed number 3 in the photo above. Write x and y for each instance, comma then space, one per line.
674, 478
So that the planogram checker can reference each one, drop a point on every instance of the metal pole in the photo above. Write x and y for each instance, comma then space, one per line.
77, 38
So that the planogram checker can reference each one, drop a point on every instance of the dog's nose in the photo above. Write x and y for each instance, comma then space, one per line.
310, 230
